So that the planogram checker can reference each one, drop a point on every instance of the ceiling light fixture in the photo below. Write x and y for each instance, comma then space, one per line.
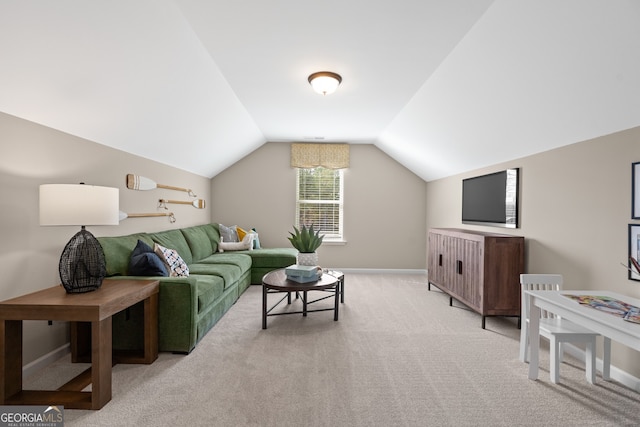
325, 82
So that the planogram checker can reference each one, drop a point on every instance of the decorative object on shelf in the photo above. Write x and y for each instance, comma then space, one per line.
136, 182
634, 251
635, 190
198, 203
325, 82
82, 264
123, 215
306, 241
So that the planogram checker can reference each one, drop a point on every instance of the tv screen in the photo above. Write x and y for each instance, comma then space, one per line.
491, 199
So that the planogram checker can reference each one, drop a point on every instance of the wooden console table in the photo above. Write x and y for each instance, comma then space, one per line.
90, 316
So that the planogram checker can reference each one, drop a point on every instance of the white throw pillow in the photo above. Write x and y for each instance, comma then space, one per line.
245, 244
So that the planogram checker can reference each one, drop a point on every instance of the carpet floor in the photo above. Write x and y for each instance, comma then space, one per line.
398, 356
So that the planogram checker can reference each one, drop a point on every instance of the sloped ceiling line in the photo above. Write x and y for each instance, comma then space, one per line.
442, 86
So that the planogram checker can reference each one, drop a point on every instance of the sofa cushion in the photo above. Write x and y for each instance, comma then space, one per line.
174, 239
214, 235
209, 289
117, 251
230, 273
242, 260
145, 262
271, 257
199, 242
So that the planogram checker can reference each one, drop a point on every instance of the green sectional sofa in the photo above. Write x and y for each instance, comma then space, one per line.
189, 306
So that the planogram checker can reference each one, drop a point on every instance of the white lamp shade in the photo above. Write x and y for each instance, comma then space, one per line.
78, 204
324, 82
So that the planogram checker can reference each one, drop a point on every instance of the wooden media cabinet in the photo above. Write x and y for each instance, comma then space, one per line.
479, 269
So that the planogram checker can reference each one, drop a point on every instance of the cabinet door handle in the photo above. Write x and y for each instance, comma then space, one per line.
440, 260
459, 267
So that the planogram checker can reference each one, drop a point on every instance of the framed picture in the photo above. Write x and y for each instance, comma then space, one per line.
635, 190
634, 251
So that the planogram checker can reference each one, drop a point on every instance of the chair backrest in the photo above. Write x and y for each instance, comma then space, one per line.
539, 282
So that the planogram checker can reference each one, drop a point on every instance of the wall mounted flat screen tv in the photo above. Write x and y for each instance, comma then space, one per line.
491, 199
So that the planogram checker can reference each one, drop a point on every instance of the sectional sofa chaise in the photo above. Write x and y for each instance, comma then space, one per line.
189, 306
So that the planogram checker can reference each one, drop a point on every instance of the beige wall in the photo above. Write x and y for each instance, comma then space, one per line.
385, 207
32, 155
575, 210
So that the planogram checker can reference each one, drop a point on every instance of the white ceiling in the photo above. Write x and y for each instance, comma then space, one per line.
442, 86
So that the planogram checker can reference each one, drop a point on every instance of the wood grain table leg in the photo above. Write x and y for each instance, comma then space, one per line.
101, 335
80, 342
11, 358
150, 329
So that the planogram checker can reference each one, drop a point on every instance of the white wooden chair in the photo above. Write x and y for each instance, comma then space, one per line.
559, 331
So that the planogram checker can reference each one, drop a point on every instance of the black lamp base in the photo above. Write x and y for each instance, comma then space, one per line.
82, 263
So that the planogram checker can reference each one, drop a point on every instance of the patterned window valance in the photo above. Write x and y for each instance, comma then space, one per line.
330, 156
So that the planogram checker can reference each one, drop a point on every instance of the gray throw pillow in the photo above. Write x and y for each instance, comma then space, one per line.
229, 234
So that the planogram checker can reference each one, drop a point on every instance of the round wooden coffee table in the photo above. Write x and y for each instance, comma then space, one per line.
277, 282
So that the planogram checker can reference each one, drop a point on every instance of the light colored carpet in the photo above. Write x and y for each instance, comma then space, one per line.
398, 356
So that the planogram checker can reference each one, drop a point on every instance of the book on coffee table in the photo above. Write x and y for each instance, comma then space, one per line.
301, 279
303, 270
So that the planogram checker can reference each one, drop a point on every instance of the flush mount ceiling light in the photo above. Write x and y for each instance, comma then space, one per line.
325, 82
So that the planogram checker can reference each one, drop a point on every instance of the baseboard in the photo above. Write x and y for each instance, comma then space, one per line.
381, 270
616, 374
46, 360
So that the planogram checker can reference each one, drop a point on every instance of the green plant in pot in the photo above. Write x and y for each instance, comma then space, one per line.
306, 241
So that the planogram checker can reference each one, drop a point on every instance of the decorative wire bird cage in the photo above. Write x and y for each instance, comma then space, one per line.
82, 263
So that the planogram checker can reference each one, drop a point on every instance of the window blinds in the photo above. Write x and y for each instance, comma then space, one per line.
320, 200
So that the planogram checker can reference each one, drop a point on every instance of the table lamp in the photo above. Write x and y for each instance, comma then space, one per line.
82, 264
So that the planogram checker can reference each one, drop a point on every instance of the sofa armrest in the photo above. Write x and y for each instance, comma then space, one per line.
177, 317
178, 308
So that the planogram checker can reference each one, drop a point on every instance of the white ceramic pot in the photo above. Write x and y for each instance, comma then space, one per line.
307, 258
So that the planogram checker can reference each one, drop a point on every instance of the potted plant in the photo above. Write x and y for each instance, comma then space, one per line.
306, 241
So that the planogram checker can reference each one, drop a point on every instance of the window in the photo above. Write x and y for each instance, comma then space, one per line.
319, 200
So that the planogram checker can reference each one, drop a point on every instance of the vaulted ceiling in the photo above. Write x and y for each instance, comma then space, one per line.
442, 86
